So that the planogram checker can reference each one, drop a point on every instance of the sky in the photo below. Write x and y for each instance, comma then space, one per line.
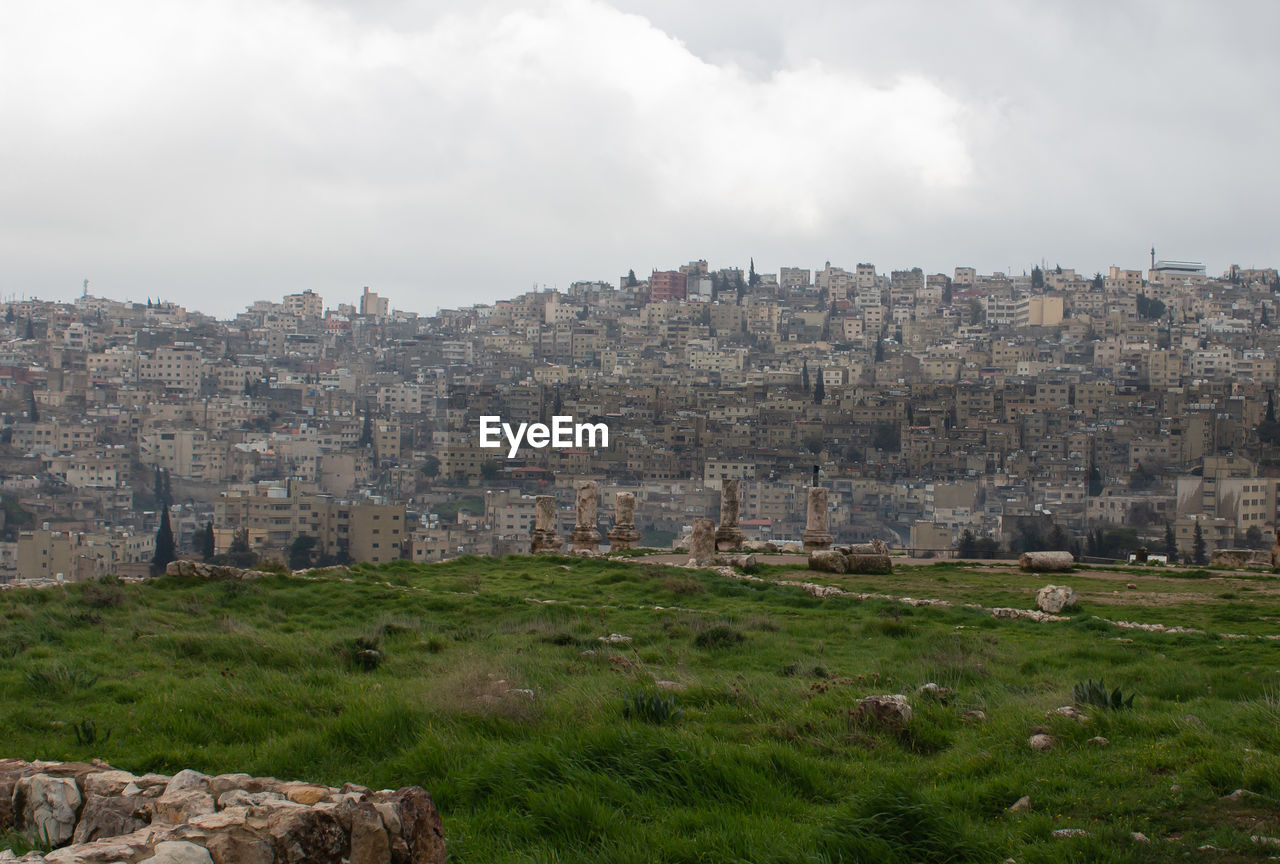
215, 152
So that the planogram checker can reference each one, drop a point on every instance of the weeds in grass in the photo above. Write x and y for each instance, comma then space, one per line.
1095, 693
719, 636
651, 707
683, 585
11, 645
363, 652
87, 734
101, 595
59, 680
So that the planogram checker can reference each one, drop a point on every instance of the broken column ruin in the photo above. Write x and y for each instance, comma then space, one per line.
544, 539
586, 536
815, 531
702, 545
624, 534
729, 535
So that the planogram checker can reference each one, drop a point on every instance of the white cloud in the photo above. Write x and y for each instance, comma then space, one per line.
173, 146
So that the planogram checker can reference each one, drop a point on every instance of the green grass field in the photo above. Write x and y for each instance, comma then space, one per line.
487, 682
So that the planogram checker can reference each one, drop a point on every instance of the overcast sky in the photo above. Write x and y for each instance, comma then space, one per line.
214, 152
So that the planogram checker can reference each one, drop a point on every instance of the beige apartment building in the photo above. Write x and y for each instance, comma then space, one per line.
77, 556
276, 516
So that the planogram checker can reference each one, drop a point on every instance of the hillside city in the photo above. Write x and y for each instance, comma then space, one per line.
946, 414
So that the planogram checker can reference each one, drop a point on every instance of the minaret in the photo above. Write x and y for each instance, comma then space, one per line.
1153, 257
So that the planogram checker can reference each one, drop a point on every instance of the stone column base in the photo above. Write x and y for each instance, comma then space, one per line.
585, 538
623, 537
816, 540
544, 542
729, 537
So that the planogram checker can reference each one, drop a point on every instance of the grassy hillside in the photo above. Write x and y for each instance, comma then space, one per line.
487, 682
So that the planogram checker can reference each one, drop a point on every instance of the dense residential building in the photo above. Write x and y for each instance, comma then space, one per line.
931, 405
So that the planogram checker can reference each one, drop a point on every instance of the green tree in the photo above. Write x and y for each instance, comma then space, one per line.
366, 431
164, 544
813, 443
1269, 429
1253, 538
632, 281
819, 390
1037, 279
804, 376
489, 470
207, 542
1150, 308
1198, 555
887, 437
753, 278
301, 552
430, 467
1170, 543
1095, 482
1099, 283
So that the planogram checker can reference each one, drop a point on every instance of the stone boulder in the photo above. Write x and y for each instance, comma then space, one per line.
112, 815
1055, 598
47, 808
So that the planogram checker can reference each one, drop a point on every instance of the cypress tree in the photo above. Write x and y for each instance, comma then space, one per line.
164, 544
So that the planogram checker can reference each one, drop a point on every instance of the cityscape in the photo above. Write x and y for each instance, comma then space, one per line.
959, 413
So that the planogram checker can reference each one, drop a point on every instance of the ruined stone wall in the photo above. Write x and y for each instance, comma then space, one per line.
93, 814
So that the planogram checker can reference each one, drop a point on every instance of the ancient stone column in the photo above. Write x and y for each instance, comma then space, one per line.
624, 534
544, 539
702, 545
729, 535
586, 536
815, 532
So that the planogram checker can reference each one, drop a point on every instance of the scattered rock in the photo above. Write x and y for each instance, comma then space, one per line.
1040, 742
670, 685
1265, 841
1099, 741
1175, 788
889, 711
934, 691
1070, 832
1022, 805
973, 715
1239, 794
1068, 711
1139, 837
1055, 598
1131, 587
615, 639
